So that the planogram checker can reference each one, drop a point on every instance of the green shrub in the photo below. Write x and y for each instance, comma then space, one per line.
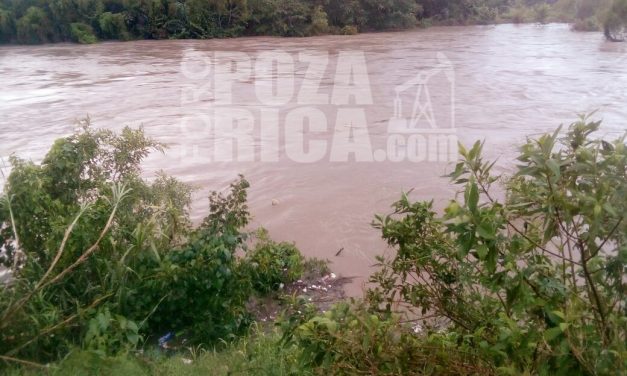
541, 13
390, 14
290, 18
342, 13
113, 26
518, 14
485, 15
7, 26
425, 23
110, 334
319, 22
535, 281
217, 18
82, 33
80, 224
588, 24
615, 21
349, 30
199, 289
349, 340
273, 264
34, 27
100, 257
314, 268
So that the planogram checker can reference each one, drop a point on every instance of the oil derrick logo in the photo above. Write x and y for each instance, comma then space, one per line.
434, 89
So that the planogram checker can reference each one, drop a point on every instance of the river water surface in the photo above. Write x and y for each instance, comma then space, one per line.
507, 82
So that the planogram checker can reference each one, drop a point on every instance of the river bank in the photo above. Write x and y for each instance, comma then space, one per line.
94, 20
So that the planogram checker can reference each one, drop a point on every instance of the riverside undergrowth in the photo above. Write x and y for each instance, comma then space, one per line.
531, 283
535, 282
105, 261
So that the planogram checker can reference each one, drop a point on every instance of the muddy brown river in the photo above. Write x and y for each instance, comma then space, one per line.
328, 130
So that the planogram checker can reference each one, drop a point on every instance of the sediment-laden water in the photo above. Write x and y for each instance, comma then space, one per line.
498, 83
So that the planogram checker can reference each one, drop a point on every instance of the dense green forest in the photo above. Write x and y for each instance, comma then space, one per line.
87, 21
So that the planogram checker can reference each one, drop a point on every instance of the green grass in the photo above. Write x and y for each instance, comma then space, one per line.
257, 354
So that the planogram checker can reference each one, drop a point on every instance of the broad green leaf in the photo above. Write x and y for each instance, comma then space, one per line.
552, 333
486, 231
482, 251
473, 197
554, 167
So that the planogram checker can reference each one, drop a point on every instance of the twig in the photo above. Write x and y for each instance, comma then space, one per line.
89, 251
606, 239
68, 231
21, 361
153, 310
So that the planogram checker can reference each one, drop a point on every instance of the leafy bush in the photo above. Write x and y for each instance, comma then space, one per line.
518, 14
485, 14
390, 14
110, 334
314, 267
536, 282
113, 26
7, 26
425, 23
82, 33
343, 13
290, 18
588, 24
350, 340
216, 18
71, 226
615, 21
200, 288
273, 264
101, 258
33, 27
349, 30
541, 13
319, 22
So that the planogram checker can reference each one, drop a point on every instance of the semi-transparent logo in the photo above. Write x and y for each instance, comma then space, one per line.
313, 106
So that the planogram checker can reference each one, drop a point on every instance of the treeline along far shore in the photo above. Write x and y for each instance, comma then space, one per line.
88, 21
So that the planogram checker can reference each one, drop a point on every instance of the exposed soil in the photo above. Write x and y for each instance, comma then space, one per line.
321, 290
